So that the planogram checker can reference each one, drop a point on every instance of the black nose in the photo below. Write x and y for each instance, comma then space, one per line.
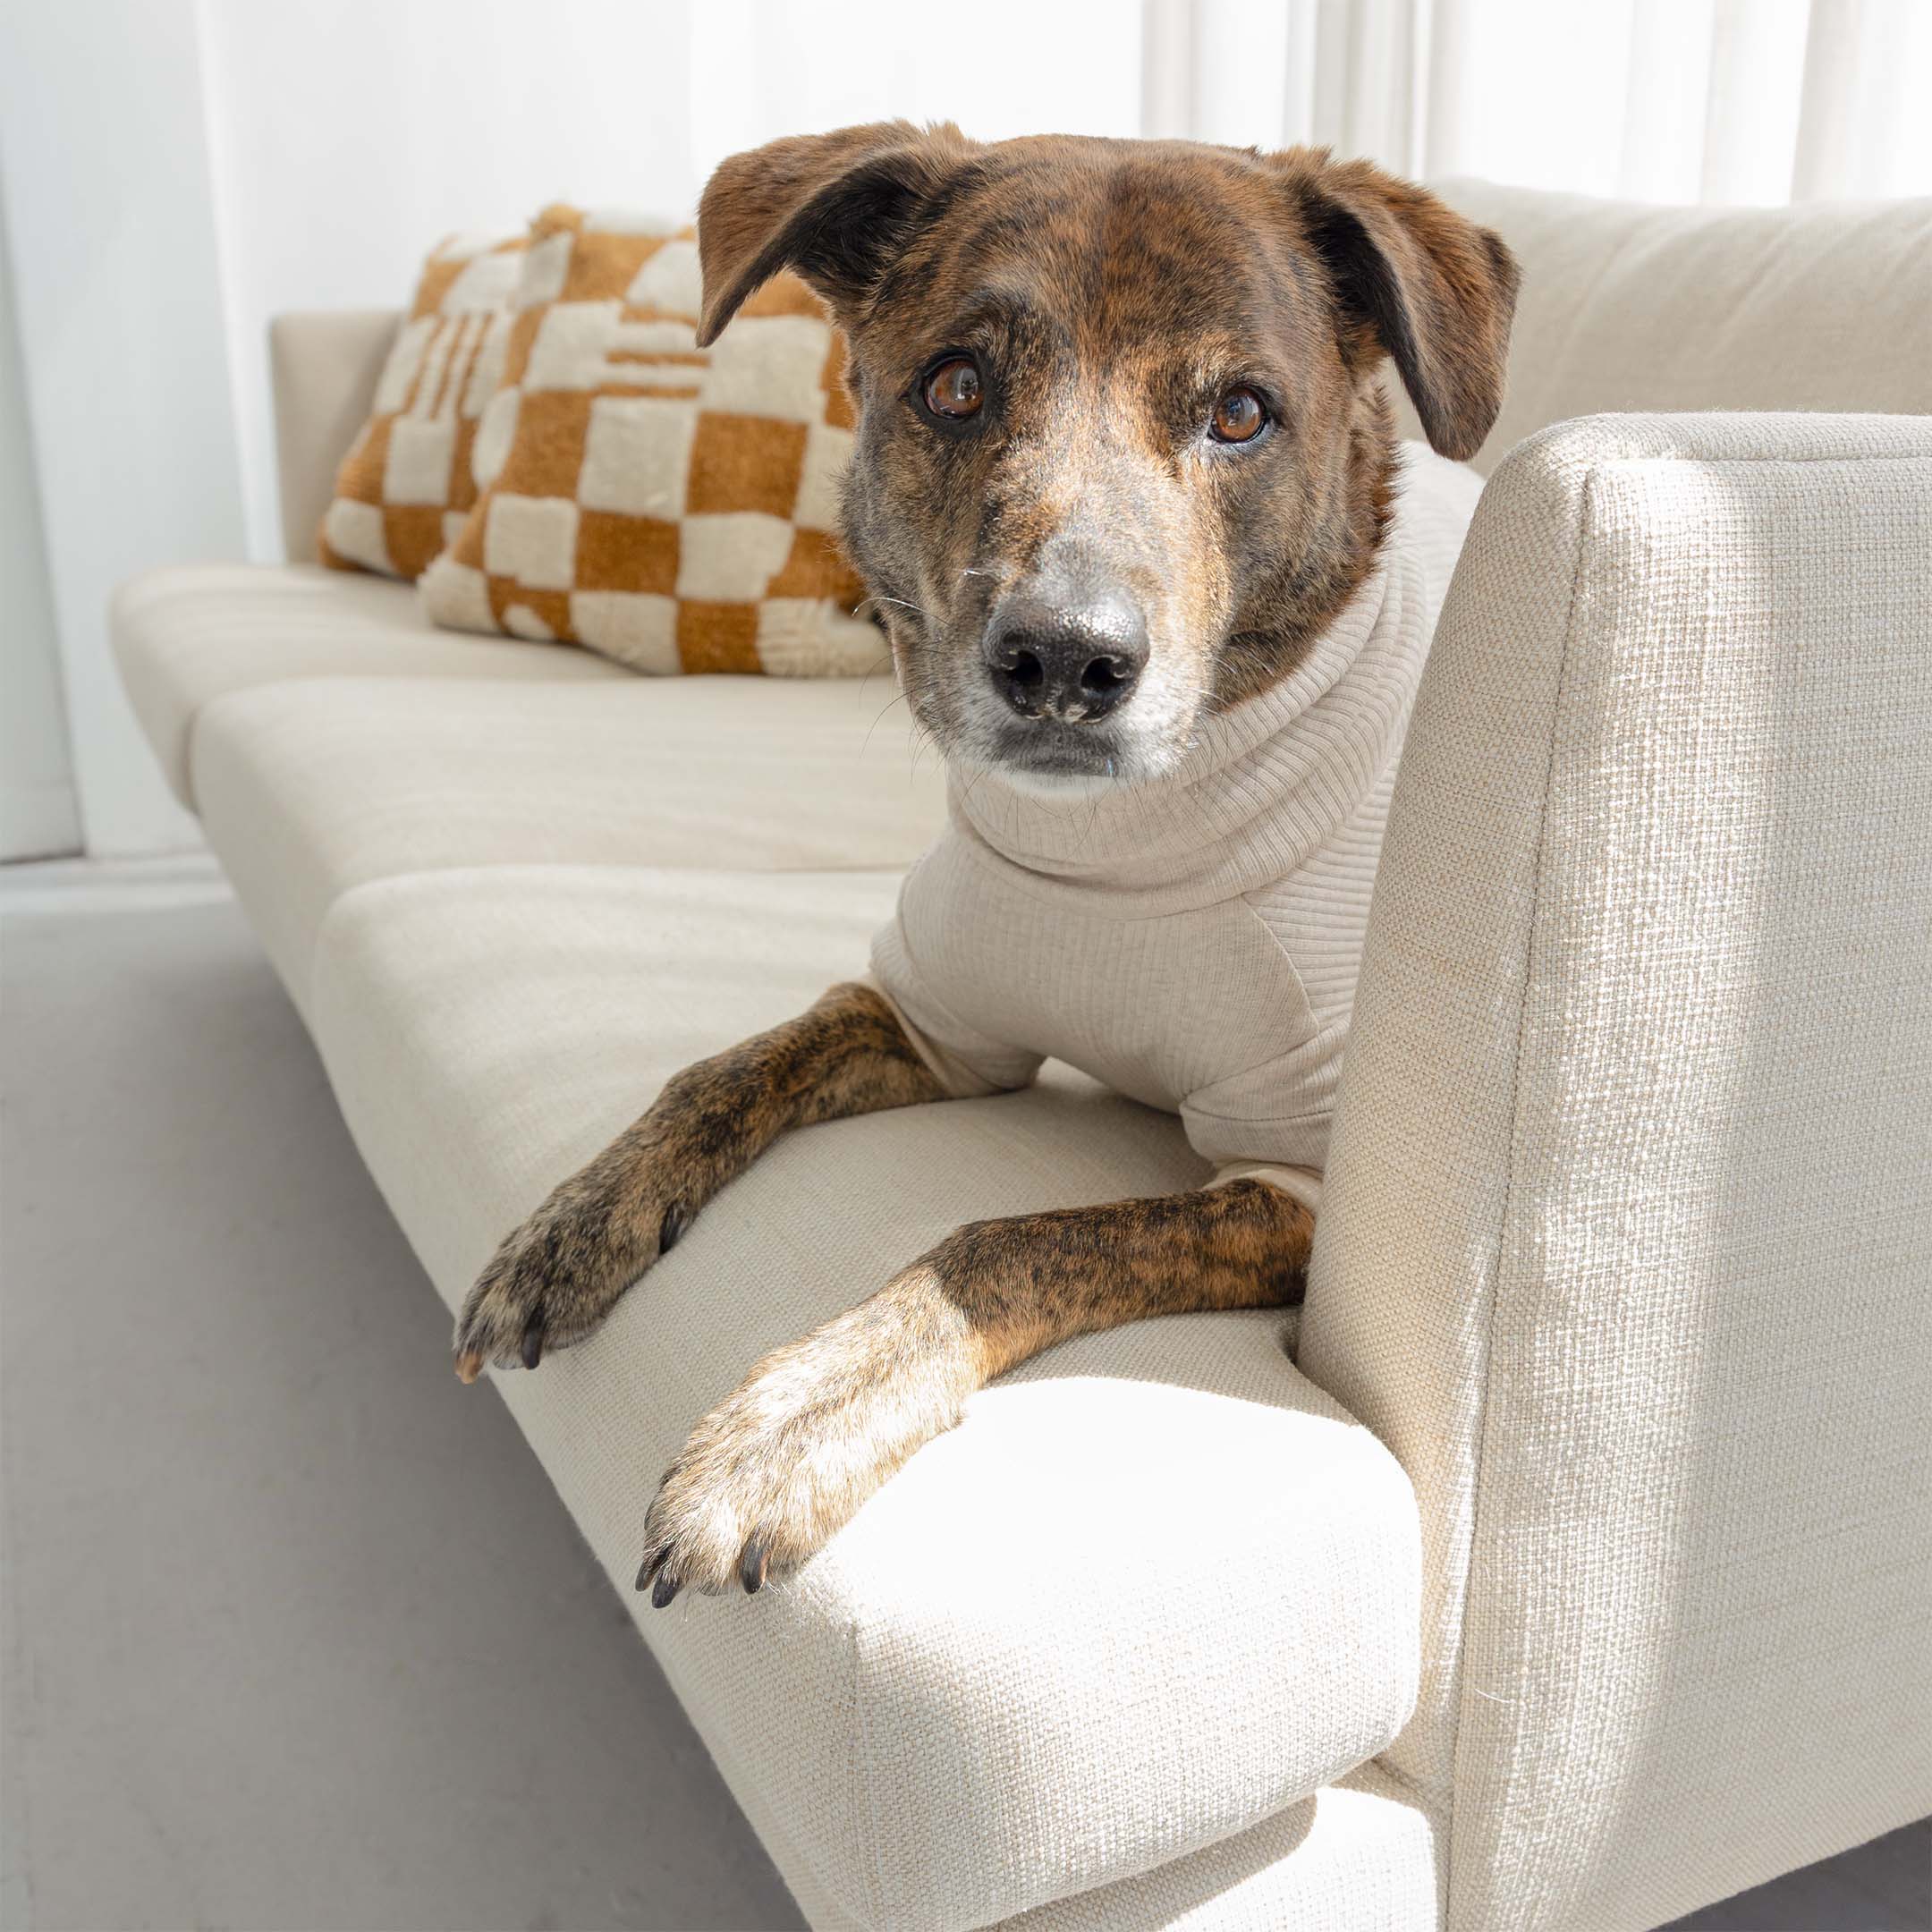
1075, 661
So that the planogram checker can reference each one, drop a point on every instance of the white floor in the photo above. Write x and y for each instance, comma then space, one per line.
296, 1633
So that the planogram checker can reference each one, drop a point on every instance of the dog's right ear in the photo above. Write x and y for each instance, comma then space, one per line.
837, 207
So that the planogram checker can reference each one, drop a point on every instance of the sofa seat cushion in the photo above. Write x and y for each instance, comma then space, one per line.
310, 789
1156, 1588
186, 635
1361, 1852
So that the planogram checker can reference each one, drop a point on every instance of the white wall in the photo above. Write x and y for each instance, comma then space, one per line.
103, 167
176, 172
349, 135
38, 817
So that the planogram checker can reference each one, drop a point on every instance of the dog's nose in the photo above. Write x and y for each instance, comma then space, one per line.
1074, 661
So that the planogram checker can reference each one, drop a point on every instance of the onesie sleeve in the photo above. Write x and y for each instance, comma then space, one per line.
1270, 1122
966, 1062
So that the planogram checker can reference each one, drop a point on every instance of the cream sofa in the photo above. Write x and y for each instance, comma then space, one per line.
1578, 1571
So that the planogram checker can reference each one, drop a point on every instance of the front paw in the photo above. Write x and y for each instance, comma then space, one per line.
777, 1468
554, 1279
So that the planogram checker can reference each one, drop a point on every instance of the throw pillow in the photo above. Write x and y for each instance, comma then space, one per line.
405, 488
670, 506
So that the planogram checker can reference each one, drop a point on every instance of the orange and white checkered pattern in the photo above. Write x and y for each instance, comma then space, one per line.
671, 507
405, 490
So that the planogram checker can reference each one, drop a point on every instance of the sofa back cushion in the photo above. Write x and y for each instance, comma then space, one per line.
1631, 307
669, 506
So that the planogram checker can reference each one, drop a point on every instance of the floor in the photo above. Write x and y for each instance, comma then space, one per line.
295, 1636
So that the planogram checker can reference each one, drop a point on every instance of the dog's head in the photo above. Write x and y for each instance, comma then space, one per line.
1122, 450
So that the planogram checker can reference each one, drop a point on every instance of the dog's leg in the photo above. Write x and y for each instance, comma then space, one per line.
556, 1276
777, 1467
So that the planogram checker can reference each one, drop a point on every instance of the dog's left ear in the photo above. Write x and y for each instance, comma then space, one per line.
1426, 284
837, 207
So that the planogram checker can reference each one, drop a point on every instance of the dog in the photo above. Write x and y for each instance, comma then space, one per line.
1123, 483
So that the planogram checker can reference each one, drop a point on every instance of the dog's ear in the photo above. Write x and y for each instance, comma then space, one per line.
1419, 281
837, 207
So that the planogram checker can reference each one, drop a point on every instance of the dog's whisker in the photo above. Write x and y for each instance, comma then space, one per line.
896, 698
925, 616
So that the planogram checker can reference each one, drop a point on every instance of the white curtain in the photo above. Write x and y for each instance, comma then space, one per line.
1662, 100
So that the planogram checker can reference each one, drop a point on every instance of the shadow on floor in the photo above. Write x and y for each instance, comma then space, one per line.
1883, 1886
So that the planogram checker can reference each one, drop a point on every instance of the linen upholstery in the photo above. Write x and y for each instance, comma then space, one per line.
310, 788
187, 634
1156, 1588
405, 488
1606, 1647
322, 368
1358, 1853
1627, 306
670, 506
1628, 1235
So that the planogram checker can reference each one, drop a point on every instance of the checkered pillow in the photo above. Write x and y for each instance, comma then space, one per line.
671, 507
405, 488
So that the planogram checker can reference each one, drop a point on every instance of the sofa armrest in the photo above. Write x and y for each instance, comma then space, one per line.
325, 366
1627, 1240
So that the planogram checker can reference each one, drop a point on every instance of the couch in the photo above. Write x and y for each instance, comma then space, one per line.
1573, 1570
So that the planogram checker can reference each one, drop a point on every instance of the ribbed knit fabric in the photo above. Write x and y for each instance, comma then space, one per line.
1191, 941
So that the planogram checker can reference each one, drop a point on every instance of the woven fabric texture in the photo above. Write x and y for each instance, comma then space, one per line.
189, 634
672, 506
311, 790
1628, 1229
405, 488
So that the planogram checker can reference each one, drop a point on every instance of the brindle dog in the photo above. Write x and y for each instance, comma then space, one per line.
1163, 353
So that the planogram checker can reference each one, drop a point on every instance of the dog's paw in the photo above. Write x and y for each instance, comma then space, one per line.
777, 1469
555, 1279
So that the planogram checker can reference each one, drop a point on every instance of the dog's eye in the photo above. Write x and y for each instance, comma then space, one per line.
1238, 417
953, 389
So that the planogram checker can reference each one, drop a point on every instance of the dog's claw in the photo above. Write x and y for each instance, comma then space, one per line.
468, 1365
752, 1563
665, 1588
653, 1563
671, 1228
532, 1349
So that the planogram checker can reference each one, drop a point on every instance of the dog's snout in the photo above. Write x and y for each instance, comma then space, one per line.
1073, 660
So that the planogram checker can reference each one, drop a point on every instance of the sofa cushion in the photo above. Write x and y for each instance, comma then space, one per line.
187, 634
1360, 1854
1155, 1588
1627, 306
310, 789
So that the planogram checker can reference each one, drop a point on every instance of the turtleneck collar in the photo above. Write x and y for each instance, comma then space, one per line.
1262, 788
